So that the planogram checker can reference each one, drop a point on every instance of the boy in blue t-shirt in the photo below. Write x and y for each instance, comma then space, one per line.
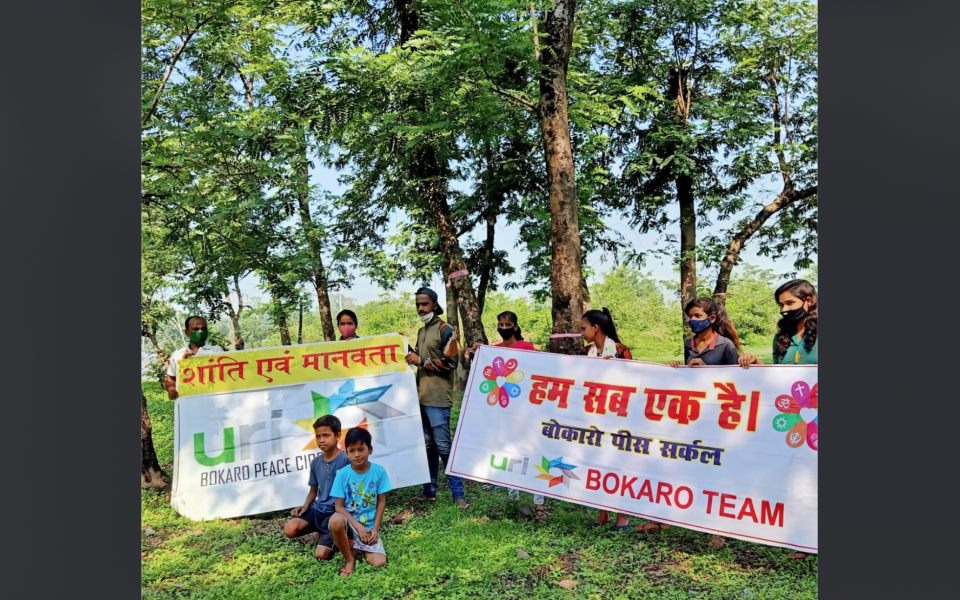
360, 491
314, 516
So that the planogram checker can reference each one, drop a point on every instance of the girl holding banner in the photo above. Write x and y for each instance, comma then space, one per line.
509, 329
601, 336
796, 340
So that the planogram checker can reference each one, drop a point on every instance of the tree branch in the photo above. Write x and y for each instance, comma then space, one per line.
166, 76
531, 106
248, 87
786, 197
536, 35
784, 166
236, 286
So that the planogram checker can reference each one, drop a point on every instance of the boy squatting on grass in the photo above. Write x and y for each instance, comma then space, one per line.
360, 490
314, 516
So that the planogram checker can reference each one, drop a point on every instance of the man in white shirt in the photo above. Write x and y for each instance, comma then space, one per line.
196, 330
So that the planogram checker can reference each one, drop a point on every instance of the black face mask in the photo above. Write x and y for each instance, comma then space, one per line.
506, 334
792, 318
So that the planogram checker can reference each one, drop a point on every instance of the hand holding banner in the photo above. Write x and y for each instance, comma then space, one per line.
724, 450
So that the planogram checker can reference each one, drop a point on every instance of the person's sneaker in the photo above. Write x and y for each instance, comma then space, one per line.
462, 503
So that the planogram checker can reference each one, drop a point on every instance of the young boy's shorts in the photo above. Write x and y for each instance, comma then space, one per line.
319, 523
358, 545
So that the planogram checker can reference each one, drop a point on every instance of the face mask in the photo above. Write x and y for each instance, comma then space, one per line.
792, 318
698, 325
427, 317
506, 333
347, 331
199, 338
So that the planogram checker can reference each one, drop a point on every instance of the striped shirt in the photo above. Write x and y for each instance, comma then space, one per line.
797, 353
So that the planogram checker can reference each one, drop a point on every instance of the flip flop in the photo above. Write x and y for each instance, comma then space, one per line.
657, 526
541, 515
594, 525
621, 527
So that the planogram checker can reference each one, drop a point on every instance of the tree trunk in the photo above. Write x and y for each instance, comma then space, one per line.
152, 336
284, 331
587, 304
434, 189
488, 249
688, 242
151, 475
235, 315
452, 316
566, 272
319, 276
431, 177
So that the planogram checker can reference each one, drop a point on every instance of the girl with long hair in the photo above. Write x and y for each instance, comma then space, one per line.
601, 335
602, 340
715, 340
796, 340
714, 343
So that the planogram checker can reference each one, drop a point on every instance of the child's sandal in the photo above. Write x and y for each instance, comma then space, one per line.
540, 515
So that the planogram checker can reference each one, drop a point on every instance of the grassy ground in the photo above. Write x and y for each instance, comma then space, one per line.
445, 553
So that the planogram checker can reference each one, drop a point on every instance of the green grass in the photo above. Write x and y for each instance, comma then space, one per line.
445, 553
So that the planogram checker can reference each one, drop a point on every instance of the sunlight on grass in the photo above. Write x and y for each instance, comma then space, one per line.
445, 553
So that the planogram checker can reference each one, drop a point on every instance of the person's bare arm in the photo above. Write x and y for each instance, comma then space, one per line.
171, 384
381, 506
360, 529
311, 496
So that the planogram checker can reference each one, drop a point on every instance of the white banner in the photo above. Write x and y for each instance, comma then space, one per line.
248, 452
724, 450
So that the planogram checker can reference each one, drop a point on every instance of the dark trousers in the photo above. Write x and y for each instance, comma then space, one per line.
436, 435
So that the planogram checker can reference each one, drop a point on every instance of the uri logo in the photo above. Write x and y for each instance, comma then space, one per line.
798, 415
501, 381
557, 463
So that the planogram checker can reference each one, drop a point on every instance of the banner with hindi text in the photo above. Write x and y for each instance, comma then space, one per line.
724, 450
243, 445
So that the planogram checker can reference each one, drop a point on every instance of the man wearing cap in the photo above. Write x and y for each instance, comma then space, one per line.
196, 330
435, 357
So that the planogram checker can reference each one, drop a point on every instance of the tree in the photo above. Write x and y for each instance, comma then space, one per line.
151, 475
566, 261
664, 70
772, 129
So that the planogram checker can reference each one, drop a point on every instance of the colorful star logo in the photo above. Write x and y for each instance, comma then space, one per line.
366, 400
566, 470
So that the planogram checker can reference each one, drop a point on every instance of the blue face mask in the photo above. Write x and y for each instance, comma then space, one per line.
699, 325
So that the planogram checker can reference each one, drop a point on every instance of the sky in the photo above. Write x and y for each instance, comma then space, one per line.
364, 290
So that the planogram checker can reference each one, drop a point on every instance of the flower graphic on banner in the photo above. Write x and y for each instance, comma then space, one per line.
798, 415
501, 379
557, 463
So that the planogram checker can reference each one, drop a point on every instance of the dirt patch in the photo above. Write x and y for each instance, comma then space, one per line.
567, 563
663, 569
745, 560
267, 527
